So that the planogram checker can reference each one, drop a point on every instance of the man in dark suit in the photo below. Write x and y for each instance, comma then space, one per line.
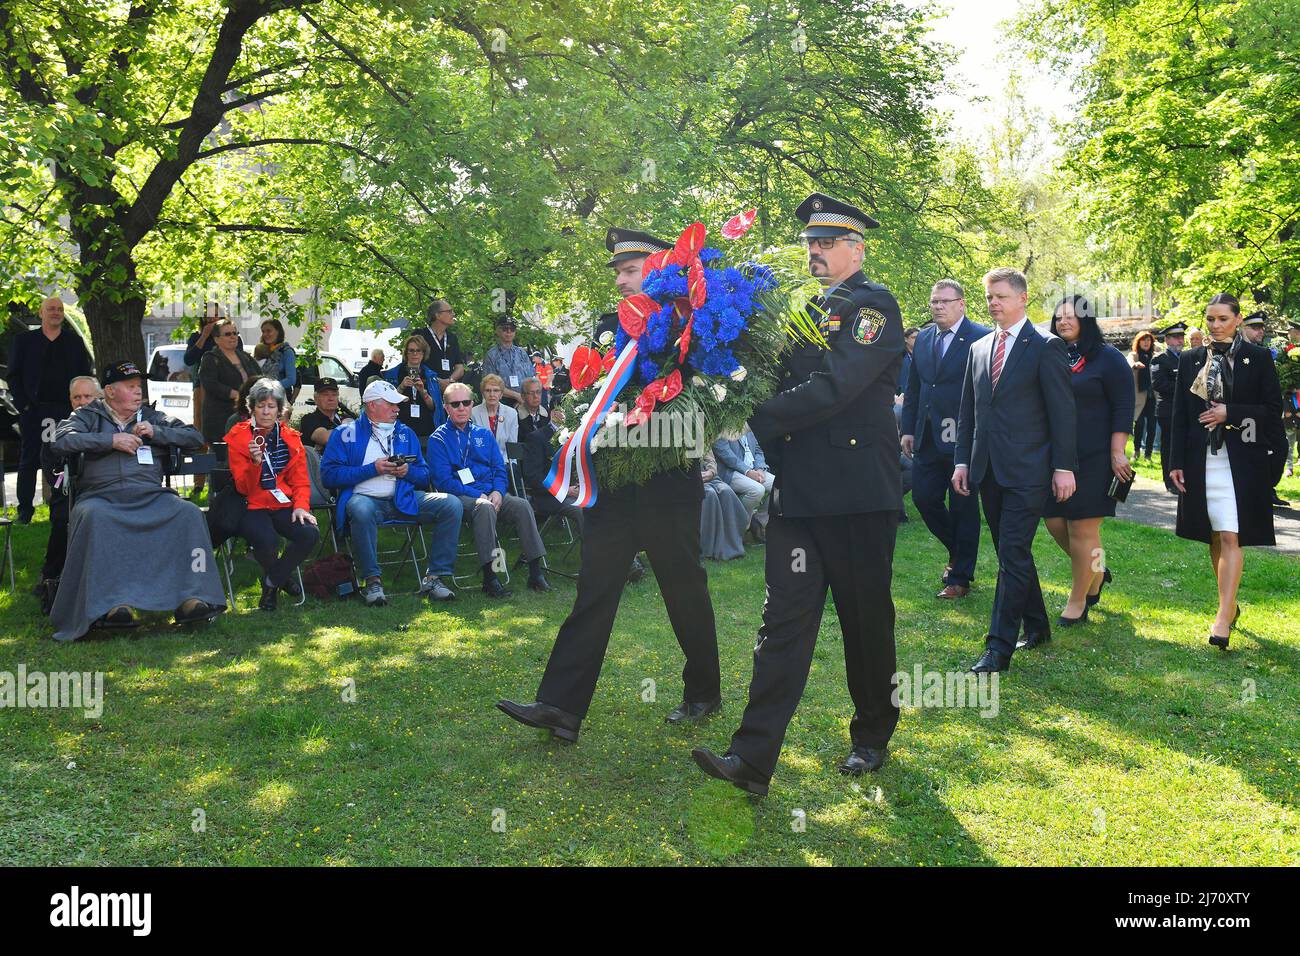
1016, 444
830, 437
931, 404
1164, 375
661, 514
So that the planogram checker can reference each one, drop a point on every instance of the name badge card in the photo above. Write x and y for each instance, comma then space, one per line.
466, 476
514, 381
446, 365
279, 496
144, 455
415, 410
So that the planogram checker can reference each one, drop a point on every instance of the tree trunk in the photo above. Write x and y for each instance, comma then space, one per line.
107, 294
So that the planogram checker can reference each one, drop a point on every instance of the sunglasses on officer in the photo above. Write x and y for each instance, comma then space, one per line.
460, 403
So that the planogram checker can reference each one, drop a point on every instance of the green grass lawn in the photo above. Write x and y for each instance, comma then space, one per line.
1126, 741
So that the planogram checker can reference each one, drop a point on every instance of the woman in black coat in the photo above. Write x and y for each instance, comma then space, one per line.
222, 371
1103, 402
1227, 452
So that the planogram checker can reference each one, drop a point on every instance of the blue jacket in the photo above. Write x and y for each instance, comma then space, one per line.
287, 365
341, 466
475, 448
932, 399
731, 455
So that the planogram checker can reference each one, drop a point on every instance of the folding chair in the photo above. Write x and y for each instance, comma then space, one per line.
322, 499
519, 488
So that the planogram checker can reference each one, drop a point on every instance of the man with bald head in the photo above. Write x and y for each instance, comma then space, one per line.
42, 364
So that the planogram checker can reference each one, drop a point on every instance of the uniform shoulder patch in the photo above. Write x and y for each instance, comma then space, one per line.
867, 326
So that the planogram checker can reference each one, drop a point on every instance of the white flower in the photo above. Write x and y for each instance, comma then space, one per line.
614, 419
581, 409
699, 380
739, 374
605, 337
564, 435
720, 392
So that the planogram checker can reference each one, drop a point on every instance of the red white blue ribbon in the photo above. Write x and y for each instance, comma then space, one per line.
572, 464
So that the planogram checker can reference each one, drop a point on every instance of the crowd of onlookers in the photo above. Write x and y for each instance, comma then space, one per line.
425, 450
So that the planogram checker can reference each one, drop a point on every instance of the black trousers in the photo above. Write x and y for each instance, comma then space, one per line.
615, 529
952, 518
36, 424
853, 555
263, 528
56, 549
1013, 515
1166, 442
1144, 428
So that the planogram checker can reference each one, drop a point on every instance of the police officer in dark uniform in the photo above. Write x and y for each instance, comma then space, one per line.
1164, 375
830, 437
661, 516
629, 250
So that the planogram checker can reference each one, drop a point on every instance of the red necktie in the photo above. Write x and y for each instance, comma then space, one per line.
999, 355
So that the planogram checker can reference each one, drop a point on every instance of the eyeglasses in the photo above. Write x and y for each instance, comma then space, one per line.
826, 244
934, 302
461, 403
228, 335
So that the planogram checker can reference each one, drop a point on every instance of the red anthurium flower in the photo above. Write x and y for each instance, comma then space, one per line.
608, 361
584, 367
655, 261
633, 312
670, 386
737, 226
684, 344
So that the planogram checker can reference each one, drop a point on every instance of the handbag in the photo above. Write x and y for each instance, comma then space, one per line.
225, 512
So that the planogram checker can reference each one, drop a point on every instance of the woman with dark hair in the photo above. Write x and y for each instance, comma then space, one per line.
1228, 450
1103, 402
277, 356
1144, 414
222, 371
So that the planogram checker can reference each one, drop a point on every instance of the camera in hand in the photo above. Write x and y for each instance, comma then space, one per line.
400, 460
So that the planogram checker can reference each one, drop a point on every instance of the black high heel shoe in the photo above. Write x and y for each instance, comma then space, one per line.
1092, 599
1220, 642
1064, 621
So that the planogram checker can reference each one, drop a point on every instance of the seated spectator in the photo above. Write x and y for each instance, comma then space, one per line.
329, 415
723, 517
277, 356
82, 390
422, 412
466, 462
535, 462
742, 466
269, 468
132, 543
532, 411
376, 466
371, 369
501, 420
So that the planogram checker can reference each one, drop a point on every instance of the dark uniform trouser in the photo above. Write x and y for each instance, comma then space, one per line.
615, 530
1013, 515
32, 423
853, 555
1166, 441
952, 518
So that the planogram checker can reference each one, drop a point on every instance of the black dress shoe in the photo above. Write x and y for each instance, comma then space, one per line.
863, 759
732, 769
558, 722
493, 589
539, 583
291, 587
25, 517
1030, 641
636, 572
268, 601
1092, 599
1064, 621
991, 662
695, 711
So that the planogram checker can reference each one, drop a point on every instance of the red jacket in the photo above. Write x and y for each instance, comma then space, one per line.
293, 480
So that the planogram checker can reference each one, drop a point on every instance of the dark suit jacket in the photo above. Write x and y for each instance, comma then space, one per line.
1164, 373
1026, 430
829, 434
933, 394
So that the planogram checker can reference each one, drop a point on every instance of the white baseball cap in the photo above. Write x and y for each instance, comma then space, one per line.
379, 388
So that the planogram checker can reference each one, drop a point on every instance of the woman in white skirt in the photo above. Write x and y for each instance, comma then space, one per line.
1227, 450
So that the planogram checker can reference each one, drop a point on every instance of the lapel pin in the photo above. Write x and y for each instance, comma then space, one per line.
1246, 360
